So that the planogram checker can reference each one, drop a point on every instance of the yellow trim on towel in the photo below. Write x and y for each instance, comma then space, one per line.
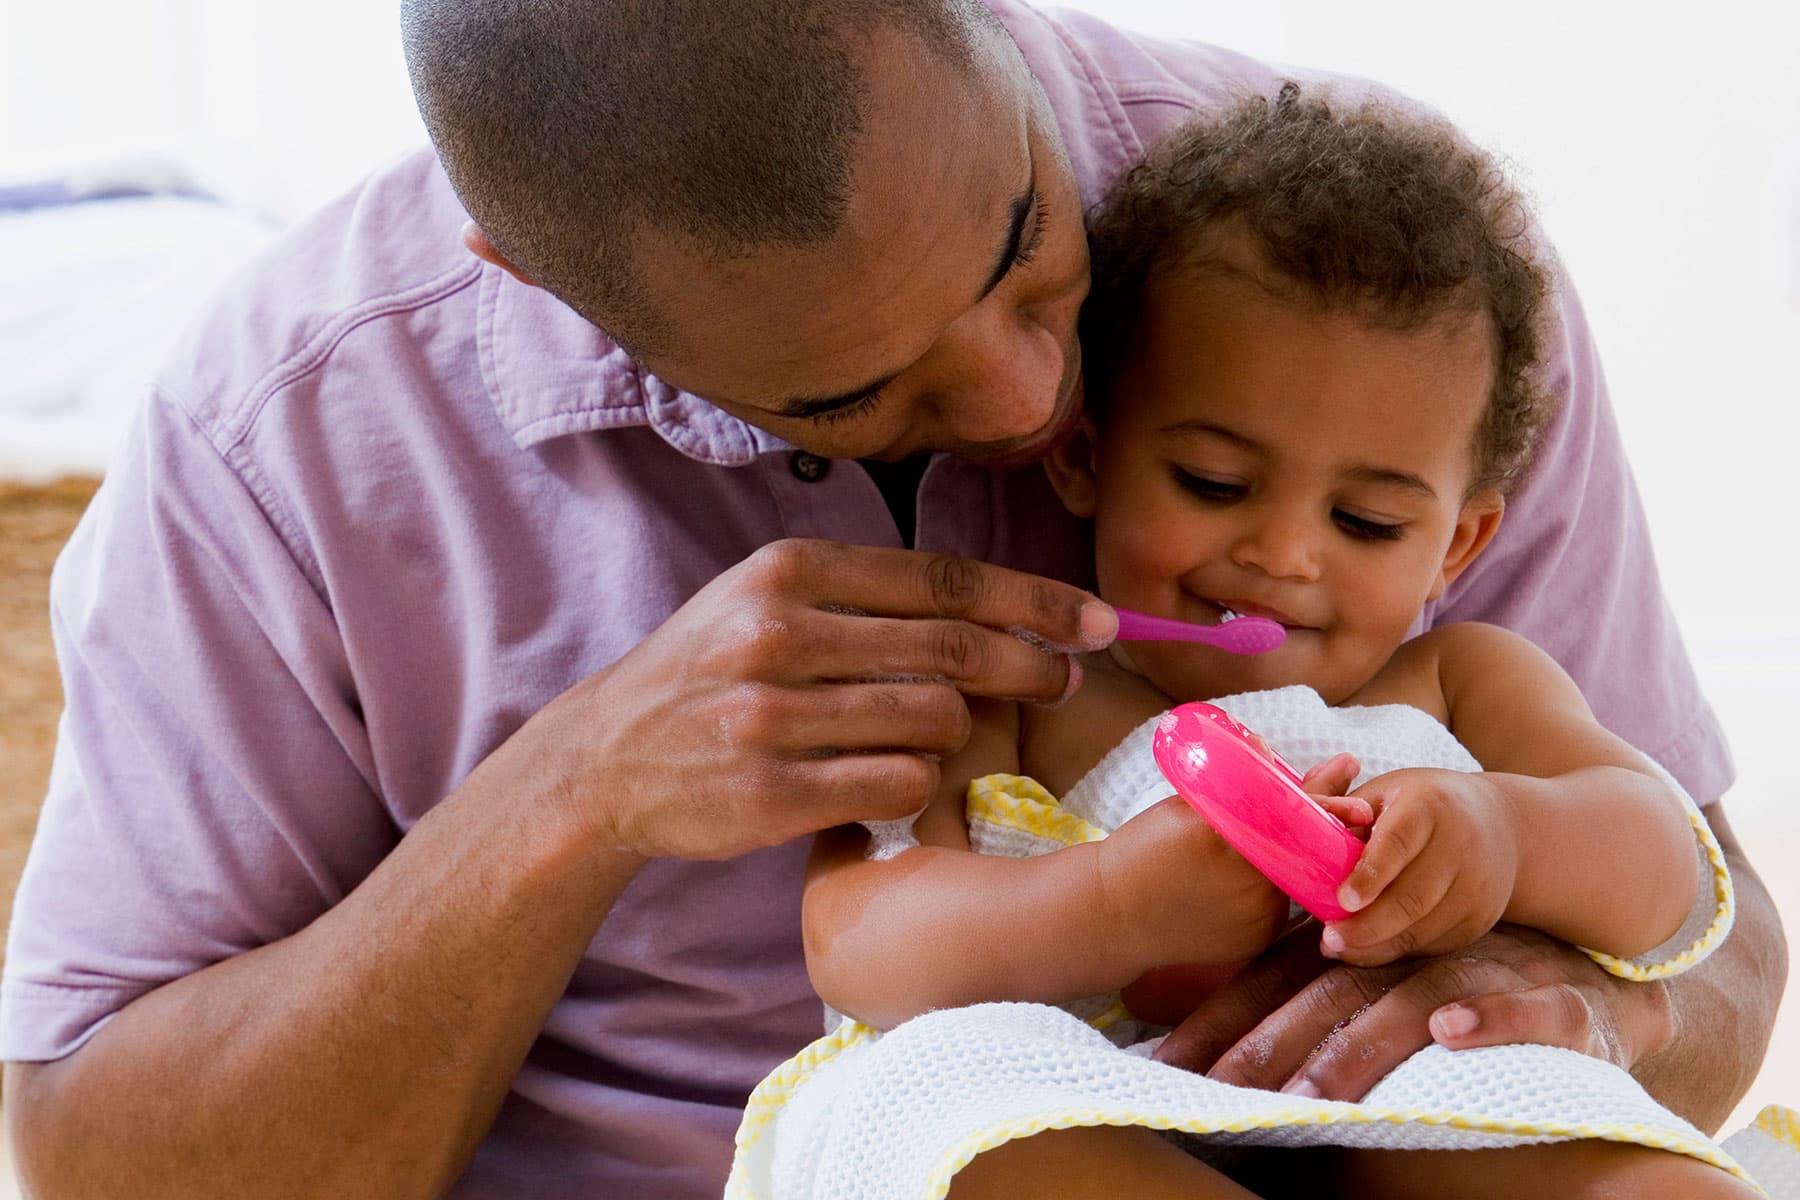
1782, 1124
1020, 802
1724, 897
960, 1155
779, 1085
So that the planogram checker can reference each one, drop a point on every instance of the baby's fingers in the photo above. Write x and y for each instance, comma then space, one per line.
1394, 842
1408, 917
1353, 811
1333, 776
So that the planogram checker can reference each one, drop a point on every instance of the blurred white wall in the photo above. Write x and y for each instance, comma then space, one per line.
281, 106
1662, 140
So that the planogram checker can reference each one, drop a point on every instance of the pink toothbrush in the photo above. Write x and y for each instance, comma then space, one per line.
1240, 635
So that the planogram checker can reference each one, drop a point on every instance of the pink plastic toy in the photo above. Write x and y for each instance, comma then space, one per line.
1257, 805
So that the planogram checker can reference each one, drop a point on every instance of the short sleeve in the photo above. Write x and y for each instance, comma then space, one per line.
1573, 569
211, 790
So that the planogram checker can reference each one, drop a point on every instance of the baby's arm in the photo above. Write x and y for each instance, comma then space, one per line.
1568, 829
940, 925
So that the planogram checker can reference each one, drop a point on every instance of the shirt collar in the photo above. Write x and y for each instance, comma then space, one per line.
550, 372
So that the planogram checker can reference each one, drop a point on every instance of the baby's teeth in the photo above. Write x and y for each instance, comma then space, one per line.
1226, 614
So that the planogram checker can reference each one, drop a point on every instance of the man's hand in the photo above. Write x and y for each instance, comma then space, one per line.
811, 685
1438, 871
1293, 1021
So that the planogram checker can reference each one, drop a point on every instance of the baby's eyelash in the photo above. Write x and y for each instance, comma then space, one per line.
1219, 491
1370, 531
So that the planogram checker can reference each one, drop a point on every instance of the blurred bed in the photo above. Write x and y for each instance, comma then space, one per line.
100, 271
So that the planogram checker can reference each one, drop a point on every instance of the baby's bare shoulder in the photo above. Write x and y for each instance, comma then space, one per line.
1057, 746
1421, 672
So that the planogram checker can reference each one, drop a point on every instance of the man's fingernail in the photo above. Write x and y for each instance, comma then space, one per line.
1099, 625
1302, 1087
1331, 941
1350, 899
1454, 1021
1073, 685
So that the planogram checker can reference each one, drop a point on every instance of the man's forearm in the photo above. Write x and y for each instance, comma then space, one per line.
1722, 1011
364, 1056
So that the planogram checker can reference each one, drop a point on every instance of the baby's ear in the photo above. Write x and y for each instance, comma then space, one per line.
1475, 528
1071, 468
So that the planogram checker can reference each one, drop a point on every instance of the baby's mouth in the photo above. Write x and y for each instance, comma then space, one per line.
1232, 610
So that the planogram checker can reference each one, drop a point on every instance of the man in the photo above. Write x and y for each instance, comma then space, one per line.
452, 684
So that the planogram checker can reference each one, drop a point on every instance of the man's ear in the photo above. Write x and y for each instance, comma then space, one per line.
1475, 528
486, 251
1071, 468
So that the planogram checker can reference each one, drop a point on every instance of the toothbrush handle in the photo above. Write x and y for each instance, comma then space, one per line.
1141, 627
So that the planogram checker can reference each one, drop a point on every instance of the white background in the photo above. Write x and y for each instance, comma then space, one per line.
1662, 142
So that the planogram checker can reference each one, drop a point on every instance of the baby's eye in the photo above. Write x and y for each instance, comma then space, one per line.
1367, 530
1207, 488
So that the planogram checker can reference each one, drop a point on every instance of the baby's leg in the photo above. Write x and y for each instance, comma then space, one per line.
1565, 1170
1103, 1162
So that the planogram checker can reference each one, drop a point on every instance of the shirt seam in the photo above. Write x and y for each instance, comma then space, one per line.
318, 348
236, 464
1699, 731
65, 993
1155, 93
763, 468
1109, 99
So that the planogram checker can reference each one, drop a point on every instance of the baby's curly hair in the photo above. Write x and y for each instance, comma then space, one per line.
1387, 212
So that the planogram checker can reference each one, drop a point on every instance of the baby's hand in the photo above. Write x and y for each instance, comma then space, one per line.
1327, 784
1439, 870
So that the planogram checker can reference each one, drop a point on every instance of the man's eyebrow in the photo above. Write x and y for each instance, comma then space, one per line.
1362, 473
1019, 211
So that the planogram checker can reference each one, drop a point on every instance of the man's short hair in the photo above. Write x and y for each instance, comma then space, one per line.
566, 125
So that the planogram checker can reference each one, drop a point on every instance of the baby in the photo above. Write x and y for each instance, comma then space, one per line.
1310, 353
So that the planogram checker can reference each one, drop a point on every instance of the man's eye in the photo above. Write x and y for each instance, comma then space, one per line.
1034, 236
1364, 529
1207, 488
850, 411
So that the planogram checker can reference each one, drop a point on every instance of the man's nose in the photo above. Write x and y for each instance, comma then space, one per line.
1003, 374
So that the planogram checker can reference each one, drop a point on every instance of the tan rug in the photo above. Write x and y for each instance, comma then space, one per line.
34, 523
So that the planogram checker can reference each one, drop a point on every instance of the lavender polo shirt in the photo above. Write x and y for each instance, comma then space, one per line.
388, 502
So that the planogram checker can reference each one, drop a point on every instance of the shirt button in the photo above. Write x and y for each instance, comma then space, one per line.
809, 468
